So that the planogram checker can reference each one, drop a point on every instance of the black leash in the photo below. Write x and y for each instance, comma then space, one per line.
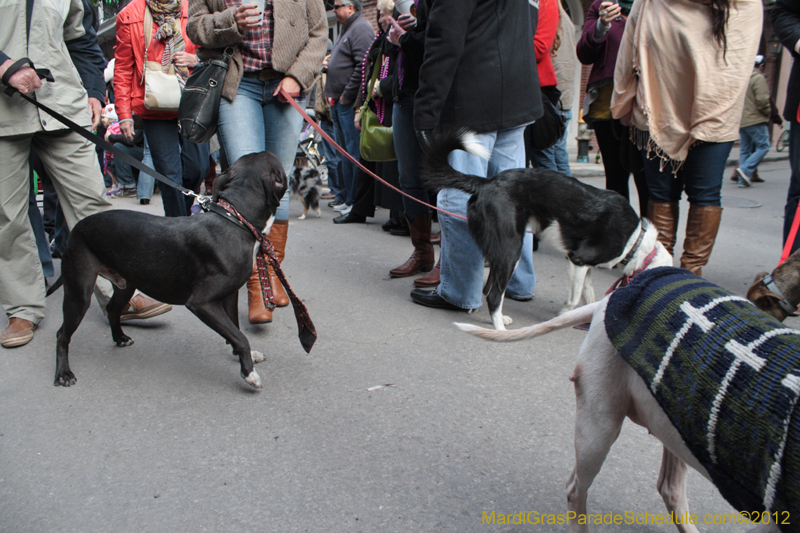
83, 132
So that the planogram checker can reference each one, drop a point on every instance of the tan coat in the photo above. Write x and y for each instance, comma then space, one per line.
756, 102
685, 91
300, 38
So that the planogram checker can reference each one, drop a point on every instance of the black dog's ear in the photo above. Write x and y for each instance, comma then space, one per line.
220, 182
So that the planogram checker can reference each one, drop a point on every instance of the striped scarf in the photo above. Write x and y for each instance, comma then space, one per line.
167, 16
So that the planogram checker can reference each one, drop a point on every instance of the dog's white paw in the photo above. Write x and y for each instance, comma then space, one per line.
507, 320
258, 357
302, 217
254, 379
319, 213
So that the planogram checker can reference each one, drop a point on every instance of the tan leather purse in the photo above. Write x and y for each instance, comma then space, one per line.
162, 90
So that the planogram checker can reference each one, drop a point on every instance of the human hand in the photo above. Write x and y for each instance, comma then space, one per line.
290, 86
357, 119
127, 129
406, 22
24, 80
395, 32
184, 59
247, 18
95, 108
609, 11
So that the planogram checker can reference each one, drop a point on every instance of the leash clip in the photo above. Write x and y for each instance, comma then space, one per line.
769, 282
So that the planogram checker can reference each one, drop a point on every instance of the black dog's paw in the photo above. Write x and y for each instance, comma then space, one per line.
123, 340
65, 379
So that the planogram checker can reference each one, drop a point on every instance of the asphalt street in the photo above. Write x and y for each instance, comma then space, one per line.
164, 435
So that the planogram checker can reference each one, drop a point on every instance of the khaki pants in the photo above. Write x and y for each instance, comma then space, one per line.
72, 163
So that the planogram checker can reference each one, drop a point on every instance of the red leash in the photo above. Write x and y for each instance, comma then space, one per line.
289, 98
787, 248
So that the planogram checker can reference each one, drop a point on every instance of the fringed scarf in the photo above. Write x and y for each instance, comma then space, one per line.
167, 16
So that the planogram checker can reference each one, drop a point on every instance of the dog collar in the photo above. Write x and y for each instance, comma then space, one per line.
212, 207
769, 281
642, 230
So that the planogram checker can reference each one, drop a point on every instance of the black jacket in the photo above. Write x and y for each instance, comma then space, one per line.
786, 25
479, 68
344, 66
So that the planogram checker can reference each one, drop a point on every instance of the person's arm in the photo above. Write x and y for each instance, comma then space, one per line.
446, 32
214, 30
589, 49
624, 96
90, 63
546, 29
308, 63
786, 24
124, 78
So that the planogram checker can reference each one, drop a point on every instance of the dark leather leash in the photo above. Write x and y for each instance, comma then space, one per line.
307, 332
83, 132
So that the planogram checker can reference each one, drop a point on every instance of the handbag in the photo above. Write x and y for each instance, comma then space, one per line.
162, 90
377, 142
198, 113
550, 128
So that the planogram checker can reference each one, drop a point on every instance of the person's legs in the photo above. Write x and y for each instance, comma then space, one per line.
793, 194
124, 170
560, 149
617, 177
759, 138
544, 158
164, 141
665, 191
331, 161
195, 162
350, 135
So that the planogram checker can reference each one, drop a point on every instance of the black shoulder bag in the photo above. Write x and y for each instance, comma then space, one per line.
550, 128
198, 113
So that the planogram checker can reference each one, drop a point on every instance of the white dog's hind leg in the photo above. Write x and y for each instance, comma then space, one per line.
500, 321
672, 487
577, 274
588, 288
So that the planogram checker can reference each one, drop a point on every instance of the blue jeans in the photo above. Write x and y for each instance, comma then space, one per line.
124, 170
409, 153
794, 184
146, 183
347, 136
182, 161
700, 176
755, 145
461, 258
556, 157
257, 121
331, 162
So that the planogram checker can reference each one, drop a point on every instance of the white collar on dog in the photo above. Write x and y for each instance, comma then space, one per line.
642, 231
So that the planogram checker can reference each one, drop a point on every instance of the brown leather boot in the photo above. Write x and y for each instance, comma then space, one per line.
754, 178
277, 234
701, 232
431, 279
258, 312
664, 216
423, 258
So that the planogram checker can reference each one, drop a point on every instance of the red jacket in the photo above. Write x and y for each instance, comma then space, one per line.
543, 41
129, 54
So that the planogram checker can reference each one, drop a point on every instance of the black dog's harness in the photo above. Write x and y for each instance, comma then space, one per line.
769, 281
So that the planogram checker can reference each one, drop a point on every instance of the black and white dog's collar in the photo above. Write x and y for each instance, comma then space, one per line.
769, 281
642, 231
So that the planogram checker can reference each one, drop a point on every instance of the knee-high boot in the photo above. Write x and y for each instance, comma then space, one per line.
257, 311
423, 257
664, 216
277, 235
701, 233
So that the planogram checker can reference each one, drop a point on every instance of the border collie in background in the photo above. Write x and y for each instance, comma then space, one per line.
306, 183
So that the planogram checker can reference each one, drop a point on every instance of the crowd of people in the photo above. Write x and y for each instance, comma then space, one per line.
432, 64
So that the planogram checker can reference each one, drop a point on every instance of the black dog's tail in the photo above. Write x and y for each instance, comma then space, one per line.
54, 287
437, 171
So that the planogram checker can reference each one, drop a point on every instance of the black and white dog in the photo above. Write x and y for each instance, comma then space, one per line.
594, 227
200, 261
306, 184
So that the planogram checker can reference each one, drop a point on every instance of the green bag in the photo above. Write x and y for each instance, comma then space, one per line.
377, 142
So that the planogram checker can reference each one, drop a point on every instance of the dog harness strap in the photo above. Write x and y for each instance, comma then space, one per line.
769, 281
642, 231
306, 330
624, 280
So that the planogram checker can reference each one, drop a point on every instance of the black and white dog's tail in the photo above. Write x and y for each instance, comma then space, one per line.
577, 316
438, 172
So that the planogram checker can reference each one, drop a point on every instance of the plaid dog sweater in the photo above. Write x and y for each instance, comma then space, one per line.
728, 377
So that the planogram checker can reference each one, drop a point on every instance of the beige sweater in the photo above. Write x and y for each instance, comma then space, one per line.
300, 38
685, 91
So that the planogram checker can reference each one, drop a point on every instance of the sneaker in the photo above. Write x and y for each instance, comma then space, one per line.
124, 193
744, 179
18, 332
341, 207
347, 210
112, 192
141, 307
334, 203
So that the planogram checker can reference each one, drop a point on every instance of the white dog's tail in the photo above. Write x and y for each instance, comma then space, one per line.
577, 316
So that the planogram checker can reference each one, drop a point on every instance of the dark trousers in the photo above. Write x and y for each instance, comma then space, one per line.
617, 177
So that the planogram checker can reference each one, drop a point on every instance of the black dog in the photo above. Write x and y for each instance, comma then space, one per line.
594, 227
306, 184
199, 261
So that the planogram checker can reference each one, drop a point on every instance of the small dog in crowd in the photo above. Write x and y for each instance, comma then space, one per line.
593, 227
200, 261
712, 377
306, 184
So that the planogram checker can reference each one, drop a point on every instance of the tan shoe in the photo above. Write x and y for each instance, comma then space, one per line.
141, 306
18, 332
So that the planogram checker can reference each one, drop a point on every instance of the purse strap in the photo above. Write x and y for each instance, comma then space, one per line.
148, 34
375, 70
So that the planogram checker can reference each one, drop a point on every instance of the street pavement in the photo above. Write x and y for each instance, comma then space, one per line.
164, 435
